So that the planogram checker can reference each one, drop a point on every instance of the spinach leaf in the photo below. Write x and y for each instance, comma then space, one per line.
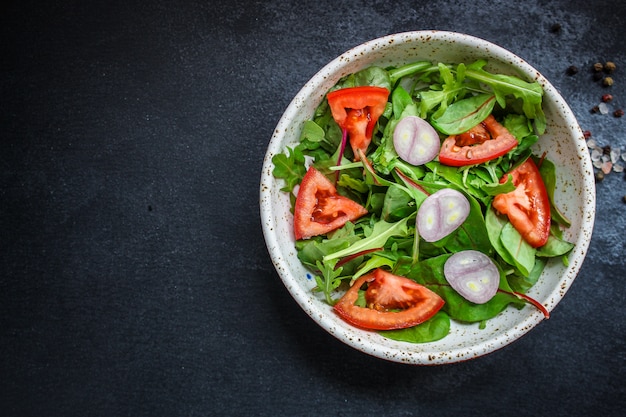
554, 247
433, 329
520, 251
522, 283
547, 169
400, 100
495, 224
472, 234
398, 204
464, 114
373, 75
430, 274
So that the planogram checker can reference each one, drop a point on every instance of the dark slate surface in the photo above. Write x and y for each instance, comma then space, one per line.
134, 280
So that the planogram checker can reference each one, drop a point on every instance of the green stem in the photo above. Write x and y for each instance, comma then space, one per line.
410, 69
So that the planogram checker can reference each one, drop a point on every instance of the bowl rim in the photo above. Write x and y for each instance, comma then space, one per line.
395, 352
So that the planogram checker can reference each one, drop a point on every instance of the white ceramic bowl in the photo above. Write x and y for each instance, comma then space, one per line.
563, 141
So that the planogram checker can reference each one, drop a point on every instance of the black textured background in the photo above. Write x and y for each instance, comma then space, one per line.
134, 279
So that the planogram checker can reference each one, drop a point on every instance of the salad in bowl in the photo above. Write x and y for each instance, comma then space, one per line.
427, 197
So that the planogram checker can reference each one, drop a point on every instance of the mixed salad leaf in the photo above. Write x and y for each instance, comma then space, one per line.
438, 210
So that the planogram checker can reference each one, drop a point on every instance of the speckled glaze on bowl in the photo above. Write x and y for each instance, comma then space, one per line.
563, 142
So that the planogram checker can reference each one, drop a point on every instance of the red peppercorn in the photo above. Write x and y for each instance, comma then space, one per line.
618, 113
607, 97
587, 134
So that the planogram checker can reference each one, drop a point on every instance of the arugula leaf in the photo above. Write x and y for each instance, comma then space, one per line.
440, 96
531, 94
372, 263
494, 189
518, 125
458, 177
409, 69
290, 167
377, 238
330, 279
353, 183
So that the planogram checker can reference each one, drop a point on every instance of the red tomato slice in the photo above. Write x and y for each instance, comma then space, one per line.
319, 208
357, 109
528, 207
473, 147
386, 293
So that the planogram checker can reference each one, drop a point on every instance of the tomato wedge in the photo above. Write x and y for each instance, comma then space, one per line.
319, 208
356, 110
486, 141
527, 207
386, 293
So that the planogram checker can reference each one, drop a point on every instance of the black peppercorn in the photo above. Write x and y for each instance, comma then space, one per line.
609, 67
597, 76
595, 109
599, 176
572, 70
555, 28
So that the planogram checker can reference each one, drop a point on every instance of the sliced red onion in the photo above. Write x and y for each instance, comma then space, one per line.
441, 214
473, 275
415, 140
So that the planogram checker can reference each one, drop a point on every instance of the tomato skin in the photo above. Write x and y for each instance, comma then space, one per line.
458, 150
357, 109
319, 208
385, 292
528, 206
